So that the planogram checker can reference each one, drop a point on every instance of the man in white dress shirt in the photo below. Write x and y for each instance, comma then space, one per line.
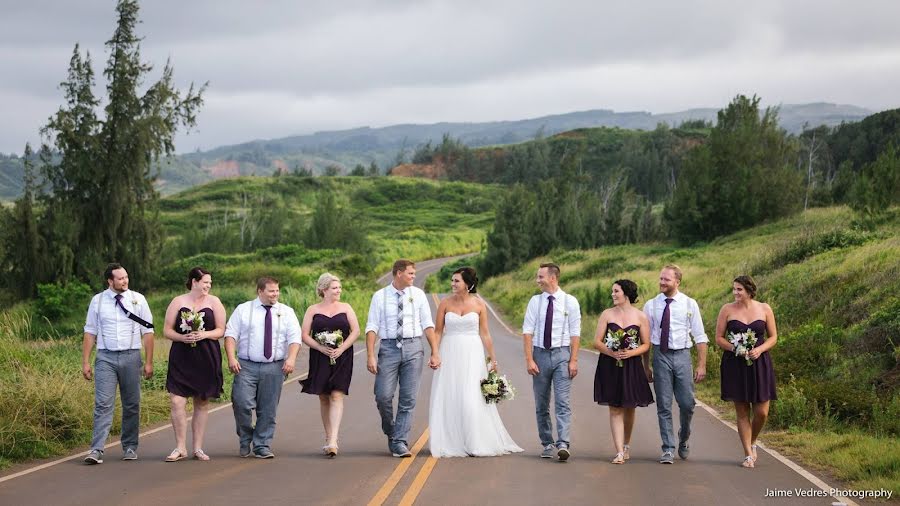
262, 339
674, 319
118, 320
398, 317
552, 334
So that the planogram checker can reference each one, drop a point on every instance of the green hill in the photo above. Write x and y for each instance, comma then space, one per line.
833, 285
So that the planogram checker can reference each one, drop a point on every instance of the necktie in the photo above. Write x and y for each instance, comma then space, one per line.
664, 326
548, 323
119, 302
267, 333
399, 316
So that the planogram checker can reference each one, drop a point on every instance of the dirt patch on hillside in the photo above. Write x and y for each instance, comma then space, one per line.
224, 168
430, 170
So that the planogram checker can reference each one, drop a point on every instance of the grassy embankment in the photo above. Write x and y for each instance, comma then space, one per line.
45, 405
834, 290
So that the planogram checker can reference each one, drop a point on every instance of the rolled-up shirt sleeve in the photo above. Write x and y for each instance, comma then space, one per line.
292, 333
233, 327
374, 315
696, 321
144, 313
531, 315
90, 323
574, 317
425, 318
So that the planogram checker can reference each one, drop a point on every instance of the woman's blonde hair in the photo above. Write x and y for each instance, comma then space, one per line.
324, 282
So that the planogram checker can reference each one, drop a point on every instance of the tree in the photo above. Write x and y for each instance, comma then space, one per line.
22, 244
878, 185
358, 170
102, 202
743, 176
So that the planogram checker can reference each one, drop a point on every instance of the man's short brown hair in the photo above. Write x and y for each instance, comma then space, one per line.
265, 281
401, 265
674, 268
552, 269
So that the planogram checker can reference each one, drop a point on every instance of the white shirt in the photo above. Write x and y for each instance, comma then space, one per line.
383, 316
566, 319
247, 326
107, 321
684, 321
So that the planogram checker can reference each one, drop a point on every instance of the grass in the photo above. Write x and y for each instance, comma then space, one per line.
45, 405
832, 282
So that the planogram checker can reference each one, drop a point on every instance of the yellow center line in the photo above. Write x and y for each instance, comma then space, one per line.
410, 496
398, 473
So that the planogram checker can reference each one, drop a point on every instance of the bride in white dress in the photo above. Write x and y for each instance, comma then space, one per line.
461, 422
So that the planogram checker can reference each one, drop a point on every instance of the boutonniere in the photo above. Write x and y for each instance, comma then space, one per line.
278, 314
689, 314
134, 302
566, 314
410, 299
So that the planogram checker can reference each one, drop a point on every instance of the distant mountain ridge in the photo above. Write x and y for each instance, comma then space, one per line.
387, 145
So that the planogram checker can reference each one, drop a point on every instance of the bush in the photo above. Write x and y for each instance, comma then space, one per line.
56, 301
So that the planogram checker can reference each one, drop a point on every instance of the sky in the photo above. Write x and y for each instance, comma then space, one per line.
277, 68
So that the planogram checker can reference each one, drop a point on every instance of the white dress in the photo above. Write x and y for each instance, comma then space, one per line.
462, 424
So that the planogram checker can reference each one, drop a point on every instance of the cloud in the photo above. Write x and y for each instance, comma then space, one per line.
278, 68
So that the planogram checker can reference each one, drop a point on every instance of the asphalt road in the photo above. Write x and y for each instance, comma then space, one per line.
365, 473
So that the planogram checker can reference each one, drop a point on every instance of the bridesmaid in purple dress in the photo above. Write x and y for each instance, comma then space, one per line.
625, 387
195, 361
331, 382
752, 386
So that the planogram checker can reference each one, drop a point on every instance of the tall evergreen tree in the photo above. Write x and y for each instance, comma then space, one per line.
103, 181
22, 243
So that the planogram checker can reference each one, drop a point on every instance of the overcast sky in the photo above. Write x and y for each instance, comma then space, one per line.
280, 68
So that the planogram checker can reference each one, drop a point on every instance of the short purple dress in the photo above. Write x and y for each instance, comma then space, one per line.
747, 383
196, 371
621, 387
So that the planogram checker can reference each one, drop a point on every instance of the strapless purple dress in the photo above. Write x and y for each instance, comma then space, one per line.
747, 383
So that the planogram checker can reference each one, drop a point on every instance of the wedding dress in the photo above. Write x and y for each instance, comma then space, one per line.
461, 422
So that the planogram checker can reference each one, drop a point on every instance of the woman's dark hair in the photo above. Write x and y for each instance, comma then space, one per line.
195, 274
469, 278
629, 288
748, 284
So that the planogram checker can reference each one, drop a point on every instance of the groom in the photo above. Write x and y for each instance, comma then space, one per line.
552, 331
398, 316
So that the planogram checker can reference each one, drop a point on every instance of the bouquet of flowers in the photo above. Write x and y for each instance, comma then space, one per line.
623, 340
191, 322
496, 388
743, 342
331, 339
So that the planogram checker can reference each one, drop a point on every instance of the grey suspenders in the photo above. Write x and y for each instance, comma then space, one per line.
100, 335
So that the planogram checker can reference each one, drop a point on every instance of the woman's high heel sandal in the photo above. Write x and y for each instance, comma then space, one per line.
748, 461
331, 451
626, 454
753, 450
619, 459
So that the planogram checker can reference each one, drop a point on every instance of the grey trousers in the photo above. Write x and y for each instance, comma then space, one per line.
257, 387
398, 367
112, 368
673, 375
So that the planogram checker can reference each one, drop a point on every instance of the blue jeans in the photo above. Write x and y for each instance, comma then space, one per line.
673, 374
554, 367
401, 366
122, 368
256, 387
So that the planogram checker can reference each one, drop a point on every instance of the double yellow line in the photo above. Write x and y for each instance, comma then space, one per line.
415, 487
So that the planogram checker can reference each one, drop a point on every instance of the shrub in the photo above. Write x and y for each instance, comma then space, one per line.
56, 301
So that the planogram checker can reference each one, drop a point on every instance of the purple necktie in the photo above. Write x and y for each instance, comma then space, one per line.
664, 326
548, 323
267, 333
119, 302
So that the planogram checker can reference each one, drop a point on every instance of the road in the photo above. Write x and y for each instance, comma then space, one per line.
364, 472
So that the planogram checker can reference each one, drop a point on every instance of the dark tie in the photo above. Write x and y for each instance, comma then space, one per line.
548, 323
400, 315
267, 333
664, 326
119, 302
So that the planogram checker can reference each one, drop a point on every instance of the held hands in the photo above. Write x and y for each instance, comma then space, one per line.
192, 337
754, 353
435, 361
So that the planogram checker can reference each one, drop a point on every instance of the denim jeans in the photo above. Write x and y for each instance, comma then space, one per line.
256, 387
673, 374
122, 368
401, 366
554, 367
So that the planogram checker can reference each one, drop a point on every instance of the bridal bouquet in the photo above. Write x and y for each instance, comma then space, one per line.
623, 340
496, 388
743, 342
331, 339
191, 322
